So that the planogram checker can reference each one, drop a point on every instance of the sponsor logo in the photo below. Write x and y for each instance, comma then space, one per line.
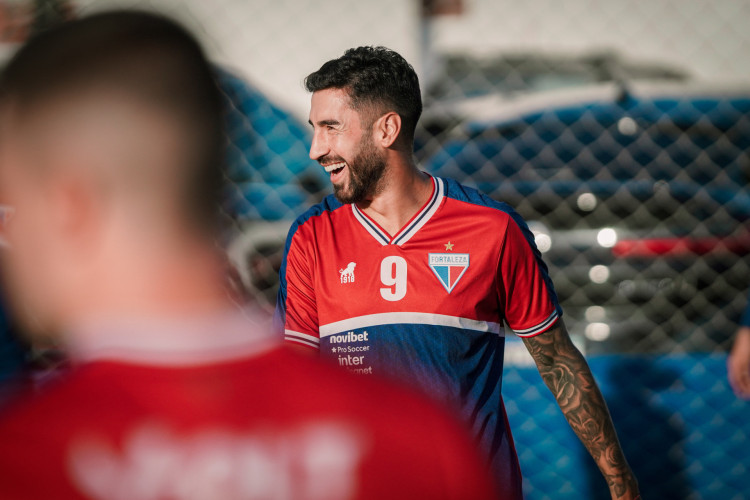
349, 337
346, 275
448, 267
351, 349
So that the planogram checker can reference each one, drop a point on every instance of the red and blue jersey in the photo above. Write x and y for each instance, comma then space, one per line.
426, 306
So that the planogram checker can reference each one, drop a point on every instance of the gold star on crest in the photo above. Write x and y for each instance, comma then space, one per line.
449, 246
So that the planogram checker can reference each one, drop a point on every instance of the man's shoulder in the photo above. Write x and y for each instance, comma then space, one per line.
469, 198
325, 207
35, 427
400, 428
93, 391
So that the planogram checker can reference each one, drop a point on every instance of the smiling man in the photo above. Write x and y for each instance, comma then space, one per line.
411, 276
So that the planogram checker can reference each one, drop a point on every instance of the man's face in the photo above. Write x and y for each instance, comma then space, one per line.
344, 146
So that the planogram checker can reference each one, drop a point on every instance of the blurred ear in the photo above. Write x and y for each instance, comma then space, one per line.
74, 211
387, 129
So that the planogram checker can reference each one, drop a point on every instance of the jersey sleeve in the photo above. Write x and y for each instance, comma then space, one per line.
296, 310
525, 291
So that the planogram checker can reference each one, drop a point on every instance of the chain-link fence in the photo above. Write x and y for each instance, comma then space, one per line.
619, 130
622, 139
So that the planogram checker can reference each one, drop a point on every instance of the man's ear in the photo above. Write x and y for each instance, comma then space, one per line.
74, 211
387, 129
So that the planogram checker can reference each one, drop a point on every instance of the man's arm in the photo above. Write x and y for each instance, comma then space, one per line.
568, 376
738, 363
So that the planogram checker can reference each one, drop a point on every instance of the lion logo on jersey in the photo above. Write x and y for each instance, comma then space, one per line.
347, 274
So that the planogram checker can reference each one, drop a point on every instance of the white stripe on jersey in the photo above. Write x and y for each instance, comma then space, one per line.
414, 226
302, 338
371, 228
409, 318
419, 221
530, 332
176, 342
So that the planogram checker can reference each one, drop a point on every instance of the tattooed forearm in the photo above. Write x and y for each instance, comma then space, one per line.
568, 376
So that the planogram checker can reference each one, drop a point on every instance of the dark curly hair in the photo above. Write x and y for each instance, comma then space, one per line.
373, 76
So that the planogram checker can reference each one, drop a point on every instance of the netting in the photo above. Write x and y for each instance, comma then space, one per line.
620, 133
619, 130
626, 149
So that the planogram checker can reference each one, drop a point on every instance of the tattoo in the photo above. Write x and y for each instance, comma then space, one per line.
567, 375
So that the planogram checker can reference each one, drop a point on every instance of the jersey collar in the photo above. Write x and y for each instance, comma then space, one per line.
411, 227
174, 342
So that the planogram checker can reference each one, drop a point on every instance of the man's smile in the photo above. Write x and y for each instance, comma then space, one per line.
334, 167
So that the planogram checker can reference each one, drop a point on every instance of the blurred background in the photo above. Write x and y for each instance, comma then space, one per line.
620, 130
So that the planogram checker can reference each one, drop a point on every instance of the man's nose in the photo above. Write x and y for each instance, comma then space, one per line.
319, 147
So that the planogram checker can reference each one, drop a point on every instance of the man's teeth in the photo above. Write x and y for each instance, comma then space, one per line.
334, 166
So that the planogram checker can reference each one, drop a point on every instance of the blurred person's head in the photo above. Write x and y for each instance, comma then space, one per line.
110, 154
365, 107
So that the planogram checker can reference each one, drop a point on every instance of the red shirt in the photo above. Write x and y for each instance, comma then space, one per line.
164, 417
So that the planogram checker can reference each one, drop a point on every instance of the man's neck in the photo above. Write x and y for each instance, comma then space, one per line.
405, 190
185, 282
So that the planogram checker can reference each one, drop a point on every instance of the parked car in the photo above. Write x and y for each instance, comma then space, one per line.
467, 87
634, 188
636, 196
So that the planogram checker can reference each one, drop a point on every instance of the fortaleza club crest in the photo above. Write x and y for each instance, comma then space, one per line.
449, 267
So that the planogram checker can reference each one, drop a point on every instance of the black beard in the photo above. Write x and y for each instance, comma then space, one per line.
365, 173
